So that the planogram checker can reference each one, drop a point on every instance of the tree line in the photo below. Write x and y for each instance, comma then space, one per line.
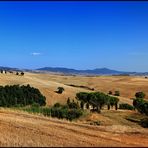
96, 100
69, 111
6, 71
14, 95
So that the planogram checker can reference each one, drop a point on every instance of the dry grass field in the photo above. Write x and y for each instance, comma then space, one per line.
18, 128
48, 83
24, 129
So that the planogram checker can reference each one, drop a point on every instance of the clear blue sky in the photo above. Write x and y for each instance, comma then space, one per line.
80, 35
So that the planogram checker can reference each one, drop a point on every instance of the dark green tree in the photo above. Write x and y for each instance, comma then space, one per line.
110, 93
82, 104
60, 90
22, 73
68, 100
140, 95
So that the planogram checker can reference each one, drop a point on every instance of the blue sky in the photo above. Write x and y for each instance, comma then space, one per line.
80, 35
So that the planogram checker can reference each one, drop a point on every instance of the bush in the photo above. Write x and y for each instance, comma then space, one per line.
144, 123
126, 106
110, 93
73, 105
46, 111
58, 111
140, 95
35, 105
22, 73
57, 105
68, 100
73, 114
69, 111
117, 93
60, 90
82, 104
141, 105
97, 123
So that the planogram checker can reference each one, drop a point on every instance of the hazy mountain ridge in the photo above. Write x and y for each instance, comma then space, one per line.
9, 68
97, 71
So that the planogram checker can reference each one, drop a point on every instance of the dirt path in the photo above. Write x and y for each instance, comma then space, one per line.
23, 129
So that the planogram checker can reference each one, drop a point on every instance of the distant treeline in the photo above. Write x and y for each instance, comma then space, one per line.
9, 71
121, 75
20, 95
80, 86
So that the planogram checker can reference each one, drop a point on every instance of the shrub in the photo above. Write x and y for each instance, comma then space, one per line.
73, 114
141, 105
117, 93
36, 105
60, 90
46, 111
110, 93
126, 106
73, 105
57, 105
144, 123
82, 104
96, 123
22, 73
68, 101
69, 111
140, 95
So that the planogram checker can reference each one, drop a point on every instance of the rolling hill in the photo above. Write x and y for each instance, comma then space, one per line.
36, 130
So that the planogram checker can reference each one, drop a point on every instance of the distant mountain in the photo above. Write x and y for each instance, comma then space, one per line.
68, 71
98, 71
9, 68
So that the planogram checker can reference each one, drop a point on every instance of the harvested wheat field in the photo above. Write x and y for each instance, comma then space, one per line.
23, 129
48, 83
19, 128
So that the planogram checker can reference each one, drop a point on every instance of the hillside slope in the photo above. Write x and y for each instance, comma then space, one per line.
48, 84
23, 129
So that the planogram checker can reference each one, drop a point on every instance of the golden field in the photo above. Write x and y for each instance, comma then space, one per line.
48, 83
18, 128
